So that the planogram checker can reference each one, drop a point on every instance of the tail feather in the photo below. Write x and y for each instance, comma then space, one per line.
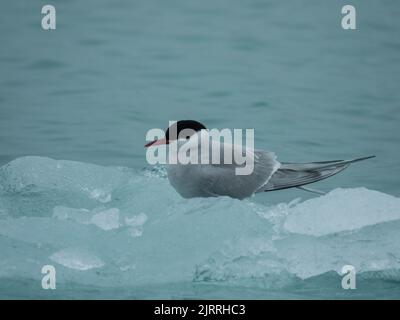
291, 175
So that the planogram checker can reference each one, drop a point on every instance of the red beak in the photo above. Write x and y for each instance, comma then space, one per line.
157, 143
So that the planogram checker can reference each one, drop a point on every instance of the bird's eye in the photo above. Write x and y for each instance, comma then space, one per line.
187, 137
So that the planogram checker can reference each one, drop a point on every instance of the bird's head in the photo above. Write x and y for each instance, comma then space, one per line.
182, 129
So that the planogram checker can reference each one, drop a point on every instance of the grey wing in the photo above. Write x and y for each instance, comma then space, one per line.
222, 179
298, 174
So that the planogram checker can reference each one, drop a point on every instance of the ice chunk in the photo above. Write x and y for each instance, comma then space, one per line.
371, 248
77, 258
136, 224
107, 219
342, 209
203, 239
46, 173
136, 221
100, 195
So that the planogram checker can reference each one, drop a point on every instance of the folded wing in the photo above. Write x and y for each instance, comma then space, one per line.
298, 174
222, 179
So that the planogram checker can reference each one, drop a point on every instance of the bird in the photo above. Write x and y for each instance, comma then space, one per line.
209, 179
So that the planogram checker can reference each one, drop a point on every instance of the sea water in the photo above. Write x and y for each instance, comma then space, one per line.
86, 93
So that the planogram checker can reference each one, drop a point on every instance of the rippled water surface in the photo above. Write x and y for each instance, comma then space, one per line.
114, 228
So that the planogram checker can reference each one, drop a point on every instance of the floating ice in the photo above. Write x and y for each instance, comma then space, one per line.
342, 209
61, 175
136, 224
136, 221
100, 195
133, 240
77, 258
107, 219
56, 183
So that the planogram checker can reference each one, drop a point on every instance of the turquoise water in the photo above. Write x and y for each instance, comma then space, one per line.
91, 89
